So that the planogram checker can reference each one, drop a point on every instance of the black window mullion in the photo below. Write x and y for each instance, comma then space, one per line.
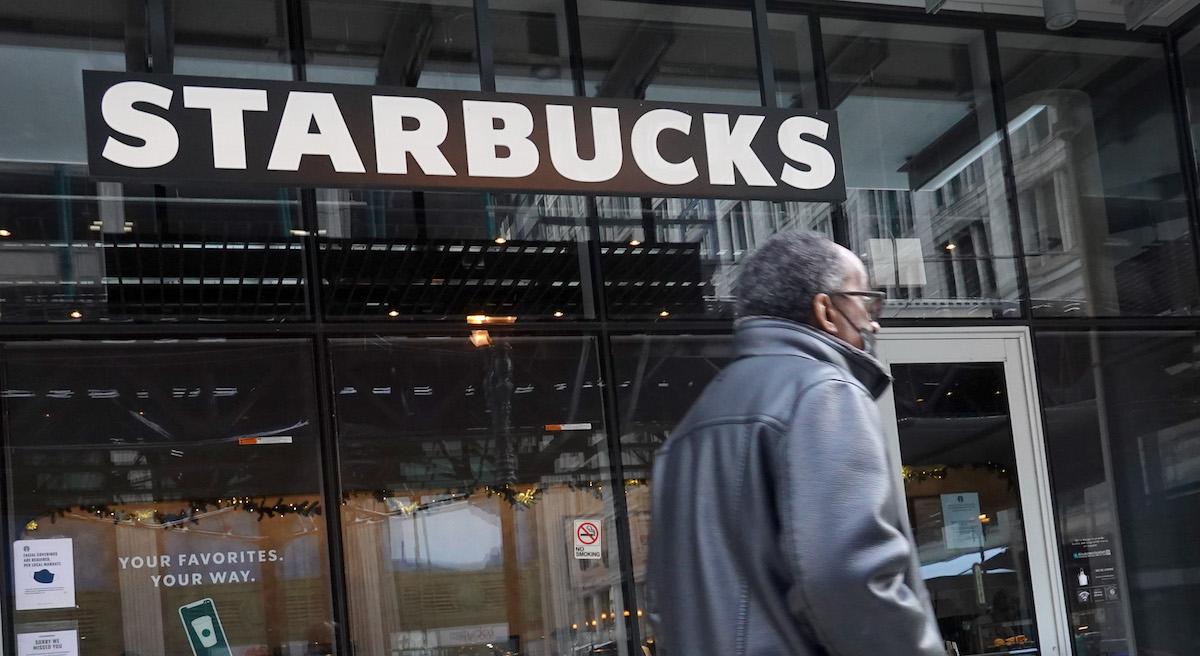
323, 369
762, 48
608, 391
1187, 152
1000, 109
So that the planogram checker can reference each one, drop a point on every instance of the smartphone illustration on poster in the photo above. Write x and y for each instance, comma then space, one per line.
203, 628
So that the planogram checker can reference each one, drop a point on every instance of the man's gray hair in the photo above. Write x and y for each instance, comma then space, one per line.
781, 278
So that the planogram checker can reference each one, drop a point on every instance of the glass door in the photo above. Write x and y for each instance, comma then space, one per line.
962, 415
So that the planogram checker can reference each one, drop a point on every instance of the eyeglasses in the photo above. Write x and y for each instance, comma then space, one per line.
871, 301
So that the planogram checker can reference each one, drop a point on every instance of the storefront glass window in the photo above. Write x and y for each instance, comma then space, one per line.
791, 51
658, 378
1103, 217
155, 484
531, 49
254, 46
394, 255
73, 249
408, 44
1189, 61
1122, 415
677, 258
468, 467
926, 204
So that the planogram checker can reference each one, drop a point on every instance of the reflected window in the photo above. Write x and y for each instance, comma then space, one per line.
1103, 215
1123, 434
395, 255
173, 473
74, 249
468, 467
926, 199
408, 44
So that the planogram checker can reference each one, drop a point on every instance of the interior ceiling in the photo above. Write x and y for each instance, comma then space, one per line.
1108, 11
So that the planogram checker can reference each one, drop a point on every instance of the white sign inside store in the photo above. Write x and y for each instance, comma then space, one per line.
44, 574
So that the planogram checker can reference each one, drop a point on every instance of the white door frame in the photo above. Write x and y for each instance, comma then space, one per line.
1012, 347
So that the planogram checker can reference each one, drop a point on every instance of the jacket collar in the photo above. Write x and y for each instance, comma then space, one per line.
774, 336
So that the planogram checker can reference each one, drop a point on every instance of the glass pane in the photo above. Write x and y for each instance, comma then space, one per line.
532, 54
791, 49
254, 46
658, 378
667, 258
466, 465
960, 479
405, 255
77, 249
678, 258
669, 53
926, 199
1123, 430
1103, 214
410, 44
173, 472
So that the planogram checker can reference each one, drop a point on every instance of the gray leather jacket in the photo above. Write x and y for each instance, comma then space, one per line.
779, 525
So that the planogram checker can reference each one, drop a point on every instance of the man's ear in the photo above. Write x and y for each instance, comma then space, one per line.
822, 318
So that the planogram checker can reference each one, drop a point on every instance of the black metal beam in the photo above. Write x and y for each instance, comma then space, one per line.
162, 35
1000, 108
762, 45
485, 47
1183, 139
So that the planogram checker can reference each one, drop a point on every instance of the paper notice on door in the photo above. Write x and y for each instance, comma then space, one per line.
44, 574
960, 521
48, 643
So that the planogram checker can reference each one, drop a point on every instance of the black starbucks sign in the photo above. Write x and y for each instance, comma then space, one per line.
175, 128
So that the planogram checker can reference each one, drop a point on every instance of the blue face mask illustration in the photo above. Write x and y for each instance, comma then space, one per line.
43, 576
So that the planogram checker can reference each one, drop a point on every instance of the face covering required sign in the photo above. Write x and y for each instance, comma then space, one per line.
172, 128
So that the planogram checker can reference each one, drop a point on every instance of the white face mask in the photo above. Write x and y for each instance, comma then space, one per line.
869, 340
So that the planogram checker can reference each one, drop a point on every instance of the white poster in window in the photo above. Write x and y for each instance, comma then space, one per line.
48, 643
44, 574
960, 521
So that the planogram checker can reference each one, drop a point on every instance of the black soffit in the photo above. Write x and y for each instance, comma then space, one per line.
369, 278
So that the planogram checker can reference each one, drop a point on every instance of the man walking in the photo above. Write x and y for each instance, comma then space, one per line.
779, 525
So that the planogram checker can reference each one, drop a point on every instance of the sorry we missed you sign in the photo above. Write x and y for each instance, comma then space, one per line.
167, 128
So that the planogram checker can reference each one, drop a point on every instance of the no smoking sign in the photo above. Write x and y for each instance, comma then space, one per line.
587, 539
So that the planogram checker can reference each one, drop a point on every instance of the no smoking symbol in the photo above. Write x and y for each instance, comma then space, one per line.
588, 533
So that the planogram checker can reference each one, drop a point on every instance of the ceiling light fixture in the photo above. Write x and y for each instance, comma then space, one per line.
394, 313
951, 246
1060, 14
5, 233
501, 240
558, 314
664, 314
635, 243
76, 314
483, 319
480, 338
